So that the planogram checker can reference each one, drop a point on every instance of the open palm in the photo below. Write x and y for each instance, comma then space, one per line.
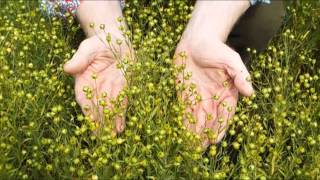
218, 73
97, 79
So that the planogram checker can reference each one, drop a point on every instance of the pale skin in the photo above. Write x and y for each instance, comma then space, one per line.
93, 57
216, 68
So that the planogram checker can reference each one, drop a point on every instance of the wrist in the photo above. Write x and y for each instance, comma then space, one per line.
216, 17
98, 30
93, 15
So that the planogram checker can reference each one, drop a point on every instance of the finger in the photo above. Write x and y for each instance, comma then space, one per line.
240, 75
201, 119
88, 106
116, 87
81, 59
212, 114
226, 110
120, 123
120, 119
204, 115
190, 120
206, 109
180, 56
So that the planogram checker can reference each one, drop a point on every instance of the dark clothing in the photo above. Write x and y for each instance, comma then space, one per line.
256, 27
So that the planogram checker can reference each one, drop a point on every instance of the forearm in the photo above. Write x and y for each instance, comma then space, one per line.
217, 17
99, 12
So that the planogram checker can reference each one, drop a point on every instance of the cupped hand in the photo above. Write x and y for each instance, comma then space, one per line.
97, 79
219, 74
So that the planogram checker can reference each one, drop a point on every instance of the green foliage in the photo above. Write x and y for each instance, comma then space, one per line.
274, 134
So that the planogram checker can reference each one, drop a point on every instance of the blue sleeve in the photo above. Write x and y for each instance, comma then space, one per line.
253, 2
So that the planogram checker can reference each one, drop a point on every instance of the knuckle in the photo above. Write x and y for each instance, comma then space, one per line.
236, 56
78, 99
83, 44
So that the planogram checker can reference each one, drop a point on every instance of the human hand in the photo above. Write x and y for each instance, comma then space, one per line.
218, 73
97, 79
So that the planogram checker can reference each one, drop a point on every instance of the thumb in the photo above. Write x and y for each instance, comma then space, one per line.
243, 84
241, 77
81, 59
